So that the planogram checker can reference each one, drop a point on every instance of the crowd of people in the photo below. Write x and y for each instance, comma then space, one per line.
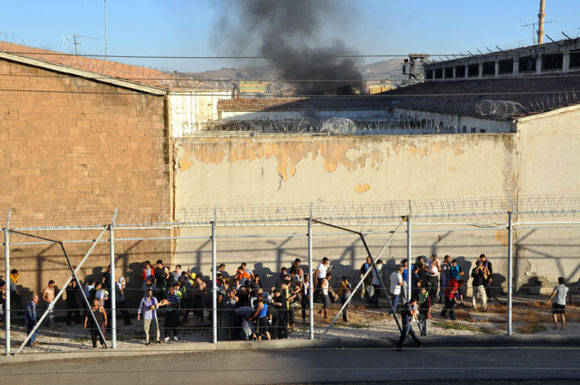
248, 310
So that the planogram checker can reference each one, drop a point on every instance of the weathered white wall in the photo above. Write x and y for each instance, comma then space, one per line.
286, 170
189, 111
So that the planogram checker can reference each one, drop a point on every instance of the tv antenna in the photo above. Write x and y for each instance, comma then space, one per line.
534, 30
75, 38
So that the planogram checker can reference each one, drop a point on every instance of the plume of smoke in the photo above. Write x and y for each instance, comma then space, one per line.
289, 34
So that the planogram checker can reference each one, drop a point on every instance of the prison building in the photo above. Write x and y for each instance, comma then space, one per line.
556, 57
460, 106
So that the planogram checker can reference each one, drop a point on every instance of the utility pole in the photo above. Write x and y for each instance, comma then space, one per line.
106, 40
541, 17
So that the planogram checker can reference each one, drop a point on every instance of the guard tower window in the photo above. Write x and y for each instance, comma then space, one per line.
459, 72
527, 64
506, 66
429, 75
449, 73
473, 70
439, 73
552, 61
574, 59
489, 68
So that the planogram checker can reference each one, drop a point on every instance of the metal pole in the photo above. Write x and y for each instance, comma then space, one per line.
409, 272
62, 290
214, 278
510, 273
106, 37
7, 285
113, 292
310, 278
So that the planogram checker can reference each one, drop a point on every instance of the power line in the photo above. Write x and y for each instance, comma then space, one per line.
299, 96
185, 79
351, 56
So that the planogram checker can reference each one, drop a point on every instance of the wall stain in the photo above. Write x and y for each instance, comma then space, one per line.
350, 153
362, 188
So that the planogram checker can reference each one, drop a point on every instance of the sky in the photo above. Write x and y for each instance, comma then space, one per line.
184, 27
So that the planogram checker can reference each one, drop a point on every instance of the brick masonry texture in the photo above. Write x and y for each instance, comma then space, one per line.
72, 150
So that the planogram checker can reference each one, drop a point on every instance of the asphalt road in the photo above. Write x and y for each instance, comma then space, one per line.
530, 365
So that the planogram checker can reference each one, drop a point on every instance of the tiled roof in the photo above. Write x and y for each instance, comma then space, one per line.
136, 74
511, 96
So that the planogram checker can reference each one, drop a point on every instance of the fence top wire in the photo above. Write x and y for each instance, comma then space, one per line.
491, 210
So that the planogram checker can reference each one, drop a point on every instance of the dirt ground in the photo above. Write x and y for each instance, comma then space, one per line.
529, 317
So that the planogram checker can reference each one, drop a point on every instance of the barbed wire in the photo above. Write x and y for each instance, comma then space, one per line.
490, 210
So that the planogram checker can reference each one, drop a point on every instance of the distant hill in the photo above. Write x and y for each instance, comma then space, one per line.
386, 69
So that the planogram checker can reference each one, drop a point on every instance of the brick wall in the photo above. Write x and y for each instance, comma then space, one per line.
69, 157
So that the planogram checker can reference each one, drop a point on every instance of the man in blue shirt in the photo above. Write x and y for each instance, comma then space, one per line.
405, 273
172, 314
31, 320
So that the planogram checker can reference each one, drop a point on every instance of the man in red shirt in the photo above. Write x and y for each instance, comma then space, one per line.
450, 292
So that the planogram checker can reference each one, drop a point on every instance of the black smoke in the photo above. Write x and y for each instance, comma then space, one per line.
289, 34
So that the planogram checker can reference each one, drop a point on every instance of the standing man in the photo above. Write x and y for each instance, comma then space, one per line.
31, 320
405, 274
72, 304
433, 268
172, 315
377, 275
320, 275
487, 279
444, 276
161, 278
48, 296
148, 307
478, 275
344, 293
101, 316
176, 273
120, 300
396, 279
559, 306
363, 269
407, 313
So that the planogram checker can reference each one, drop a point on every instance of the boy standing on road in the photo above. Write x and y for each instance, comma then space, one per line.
559, 306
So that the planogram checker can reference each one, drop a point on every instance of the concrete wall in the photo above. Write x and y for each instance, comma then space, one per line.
73, 154
549, 165
287, 170
249, 172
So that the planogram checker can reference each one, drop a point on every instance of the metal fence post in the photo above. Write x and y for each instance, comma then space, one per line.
510, 273
214, 278
409, 272
113, 292
310, 278
7, 314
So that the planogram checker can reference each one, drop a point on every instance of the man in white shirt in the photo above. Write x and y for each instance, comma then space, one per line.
433, 268
559, 306
319, 275
396, 279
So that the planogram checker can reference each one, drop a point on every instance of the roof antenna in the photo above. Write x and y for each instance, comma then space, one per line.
75, 38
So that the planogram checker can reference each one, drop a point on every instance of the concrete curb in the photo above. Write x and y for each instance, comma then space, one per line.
328, 343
